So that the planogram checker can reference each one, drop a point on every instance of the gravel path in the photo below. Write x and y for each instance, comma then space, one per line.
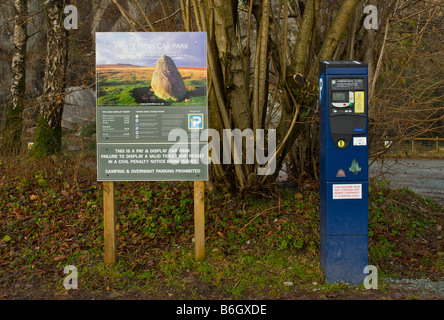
421, 287
425, 177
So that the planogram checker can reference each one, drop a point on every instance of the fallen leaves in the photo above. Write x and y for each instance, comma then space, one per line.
58, 258
47, 226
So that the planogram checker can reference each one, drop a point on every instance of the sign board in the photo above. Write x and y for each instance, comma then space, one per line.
151, 106
347, 191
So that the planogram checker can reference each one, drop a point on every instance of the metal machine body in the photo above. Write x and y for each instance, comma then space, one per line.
343, 123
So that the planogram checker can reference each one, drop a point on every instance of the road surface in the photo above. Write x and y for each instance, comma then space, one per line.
425, 177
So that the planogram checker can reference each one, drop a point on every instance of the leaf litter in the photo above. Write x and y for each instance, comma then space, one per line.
51, 216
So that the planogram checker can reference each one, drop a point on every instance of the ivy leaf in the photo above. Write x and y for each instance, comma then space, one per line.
6, 238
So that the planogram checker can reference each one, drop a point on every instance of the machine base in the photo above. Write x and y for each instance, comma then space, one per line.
343, 258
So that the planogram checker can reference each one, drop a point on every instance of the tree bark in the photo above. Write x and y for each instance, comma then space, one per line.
300, 51
334, 35
239, 99
231, 59
49, 132
14, 120
260, 91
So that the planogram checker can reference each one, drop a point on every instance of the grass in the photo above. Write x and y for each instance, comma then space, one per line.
178, 275
116, 83
402, 222
264, 247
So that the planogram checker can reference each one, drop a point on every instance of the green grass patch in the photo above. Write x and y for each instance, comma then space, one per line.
266, 246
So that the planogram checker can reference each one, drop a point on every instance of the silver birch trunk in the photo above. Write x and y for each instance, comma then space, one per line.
14, 119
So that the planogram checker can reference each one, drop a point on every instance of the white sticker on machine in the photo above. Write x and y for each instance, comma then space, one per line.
347, 191
359, 141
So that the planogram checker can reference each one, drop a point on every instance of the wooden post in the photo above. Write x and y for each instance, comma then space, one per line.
199, 220
109, 221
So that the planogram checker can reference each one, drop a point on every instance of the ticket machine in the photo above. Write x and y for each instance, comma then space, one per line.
343, 125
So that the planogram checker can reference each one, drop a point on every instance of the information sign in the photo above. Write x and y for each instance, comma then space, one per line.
150, 87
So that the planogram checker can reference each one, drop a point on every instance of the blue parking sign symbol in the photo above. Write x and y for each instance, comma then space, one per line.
195, 121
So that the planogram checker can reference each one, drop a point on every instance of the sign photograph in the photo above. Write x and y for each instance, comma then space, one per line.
149, 84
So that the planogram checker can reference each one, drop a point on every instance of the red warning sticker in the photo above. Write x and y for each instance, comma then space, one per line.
347, 191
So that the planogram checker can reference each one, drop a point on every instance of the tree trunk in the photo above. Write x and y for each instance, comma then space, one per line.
49, 132
300, 51
239, 94
231, 59
334, 35
14, 120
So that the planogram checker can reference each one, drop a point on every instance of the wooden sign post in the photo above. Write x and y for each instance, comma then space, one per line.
199, 220
109, 221
137, 139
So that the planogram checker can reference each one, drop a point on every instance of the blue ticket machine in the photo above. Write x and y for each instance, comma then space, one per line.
343, 125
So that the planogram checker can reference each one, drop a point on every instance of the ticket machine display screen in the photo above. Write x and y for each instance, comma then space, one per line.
347, 108
339, 96
347, 96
